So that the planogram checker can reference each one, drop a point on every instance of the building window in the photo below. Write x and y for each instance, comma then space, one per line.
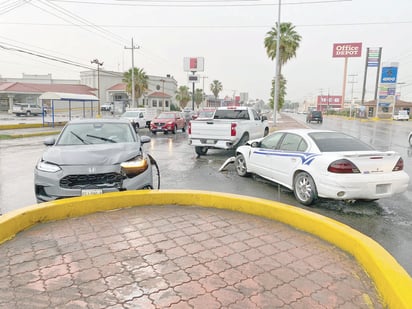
166, 103
154, 103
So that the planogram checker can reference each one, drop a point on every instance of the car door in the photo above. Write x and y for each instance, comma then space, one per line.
279, 162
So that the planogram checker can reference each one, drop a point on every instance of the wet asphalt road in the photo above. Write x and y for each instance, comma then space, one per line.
388, 221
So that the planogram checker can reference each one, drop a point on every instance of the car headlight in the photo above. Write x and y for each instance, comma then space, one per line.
134, 166
48, 167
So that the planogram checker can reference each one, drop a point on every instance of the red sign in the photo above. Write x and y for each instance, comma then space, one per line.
326, 102
193, 63
346, 50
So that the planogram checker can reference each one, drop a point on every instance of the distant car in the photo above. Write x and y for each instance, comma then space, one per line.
314, 116
93, 156
27, 109
106, 108
205, 114
401, 115
168, 122
326, 164
136, 117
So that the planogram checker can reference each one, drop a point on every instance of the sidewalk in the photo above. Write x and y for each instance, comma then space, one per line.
177, 257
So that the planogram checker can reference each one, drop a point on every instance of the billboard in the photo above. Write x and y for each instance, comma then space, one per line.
346, 50
193, 64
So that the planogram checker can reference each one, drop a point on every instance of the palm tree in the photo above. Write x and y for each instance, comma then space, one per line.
216, 87
183, 96
198, 97
140, 82
289, 43
282, 93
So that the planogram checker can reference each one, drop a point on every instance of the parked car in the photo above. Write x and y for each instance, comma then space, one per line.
168, 122
27, 109
136, 117
106, 107
93, 156
326, 164
314, 116
205, 114
401, 115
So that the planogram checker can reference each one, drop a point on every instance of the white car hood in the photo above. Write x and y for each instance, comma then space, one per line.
100, 154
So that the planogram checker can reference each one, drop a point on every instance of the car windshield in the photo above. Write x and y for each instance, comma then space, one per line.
95, 133
206, 114
336, 141
166, 116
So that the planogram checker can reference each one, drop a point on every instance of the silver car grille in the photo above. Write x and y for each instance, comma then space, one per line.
91, 180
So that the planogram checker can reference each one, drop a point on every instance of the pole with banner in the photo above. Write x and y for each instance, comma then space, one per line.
193, 65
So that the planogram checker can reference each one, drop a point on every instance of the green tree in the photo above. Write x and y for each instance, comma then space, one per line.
282, 93
198, 97
216, 87
289, 43
140, 82
183, 96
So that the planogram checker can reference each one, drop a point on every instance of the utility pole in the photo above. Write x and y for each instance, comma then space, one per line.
163, 93
133, 83
203, 90
277, 69
352, 81
95, 61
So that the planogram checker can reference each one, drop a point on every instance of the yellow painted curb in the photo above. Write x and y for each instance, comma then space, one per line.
392, 281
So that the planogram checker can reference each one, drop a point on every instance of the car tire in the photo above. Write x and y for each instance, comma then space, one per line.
304, 189
200, 150
154, 132
240, 165
28, 113
136, 127
266, 132
184, 128
174, 129
410, 140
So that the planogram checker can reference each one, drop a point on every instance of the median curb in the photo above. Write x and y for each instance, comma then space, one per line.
392, 281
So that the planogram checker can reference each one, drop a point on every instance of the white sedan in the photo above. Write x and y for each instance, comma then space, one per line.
320, 163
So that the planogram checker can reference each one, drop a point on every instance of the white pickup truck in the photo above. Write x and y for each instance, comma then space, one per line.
230, 127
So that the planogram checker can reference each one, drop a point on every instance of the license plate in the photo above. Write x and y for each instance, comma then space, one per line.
86, 192
383, 188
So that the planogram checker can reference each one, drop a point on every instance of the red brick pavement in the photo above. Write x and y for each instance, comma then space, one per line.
177, 257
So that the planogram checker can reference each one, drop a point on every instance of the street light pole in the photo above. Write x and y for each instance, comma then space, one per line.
277, 77
95, 61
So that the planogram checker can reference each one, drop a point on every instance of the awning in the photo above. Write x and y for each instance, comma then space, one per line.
67, 96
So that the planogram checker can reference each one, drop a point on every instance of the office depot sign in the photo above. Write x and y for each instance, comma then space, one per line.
346, 50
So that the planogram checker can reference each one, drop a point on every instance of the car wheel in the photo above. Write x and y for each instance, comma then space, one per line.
154, 132
184, 128
266, 132
240, 165
410, 140
304, 189
28, 113
136, 126
201, 151
174, 129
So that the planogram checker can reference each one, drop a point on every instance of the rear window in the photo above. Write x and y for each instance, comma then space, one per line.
337, 141
316, 114
231, 114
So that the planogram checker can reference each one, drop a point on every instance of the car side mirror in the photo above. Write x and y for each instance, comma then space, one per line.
264, 118
49, 141
145, 139
255, 145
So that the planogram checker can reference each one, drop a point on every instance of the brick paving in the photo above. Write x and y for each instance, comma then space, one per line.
177, 257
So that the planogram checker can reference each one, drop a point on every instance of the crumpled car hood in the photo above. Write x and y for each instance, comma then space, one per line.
100, 154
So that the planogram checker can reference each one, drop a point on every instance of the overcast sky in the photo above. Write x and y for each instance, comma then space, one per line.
228, 34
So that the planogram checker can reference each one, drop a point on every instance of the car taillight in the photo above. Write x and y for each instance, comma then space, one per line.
233, 129
189, 129
398, 166
343, 166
